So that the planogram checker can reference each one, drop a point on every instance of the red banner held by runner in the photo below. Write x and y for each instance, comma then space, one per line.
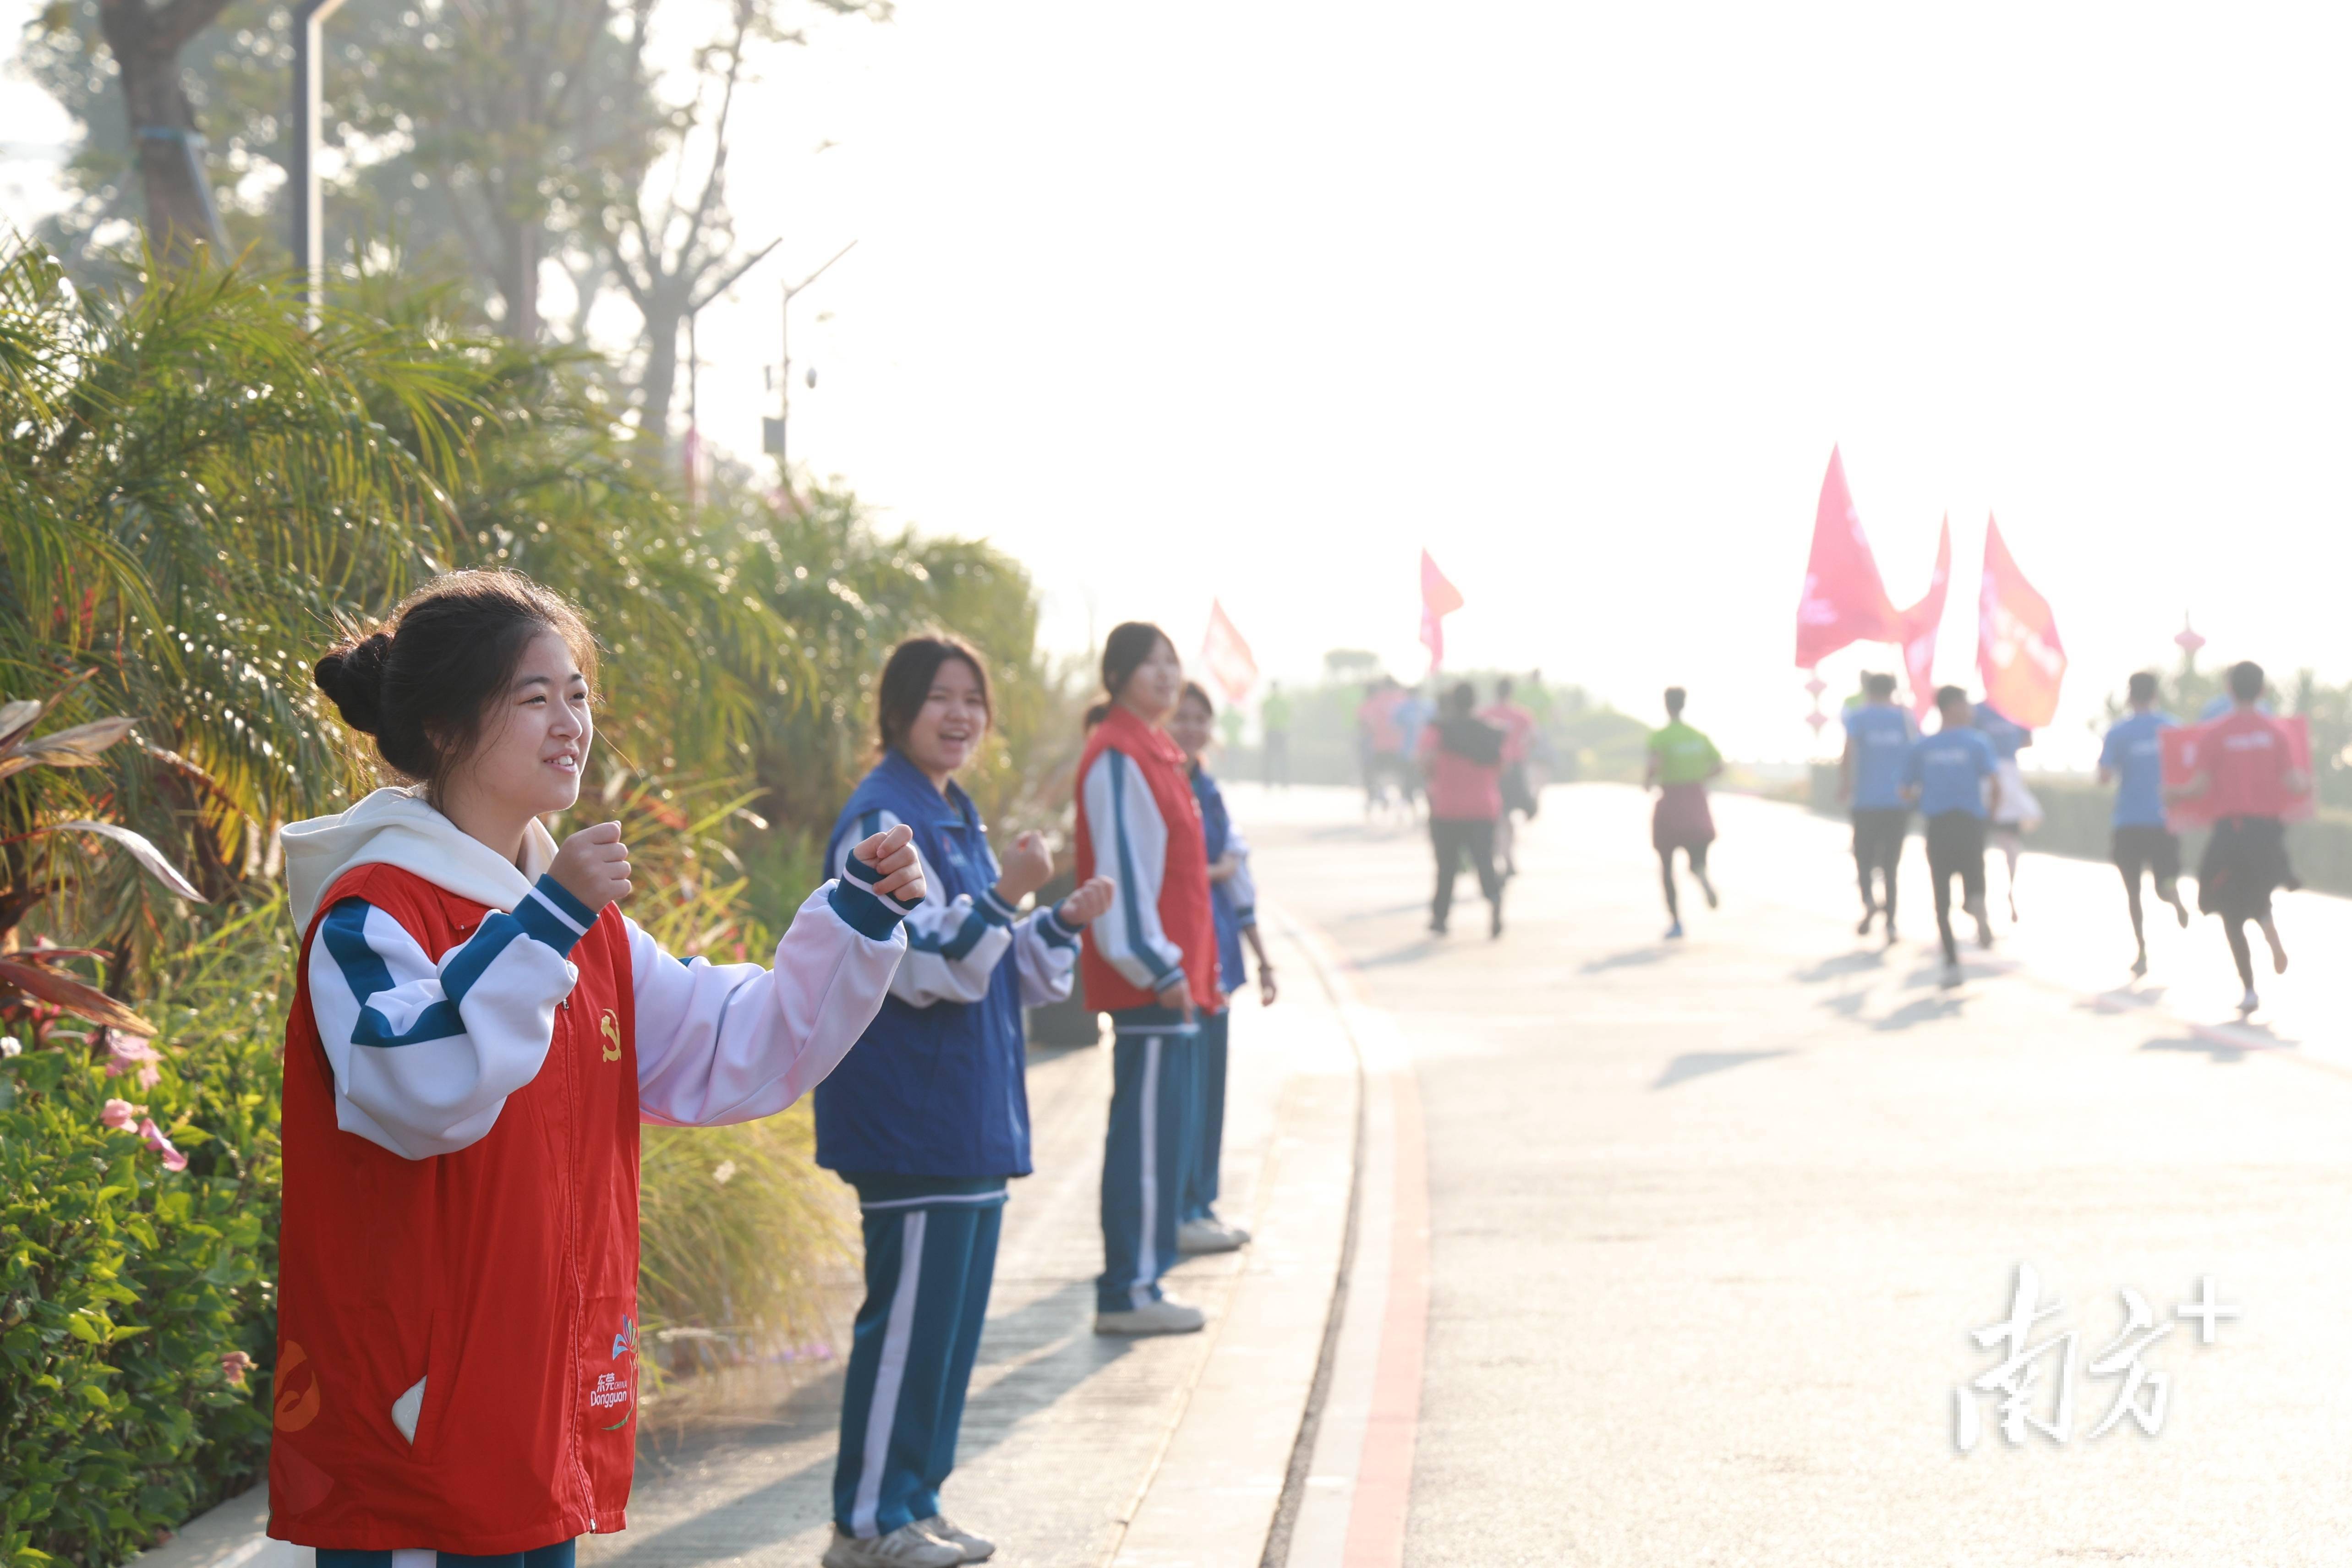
1921, 623
1227, 655
2019, 655
1844, 598
1439, 599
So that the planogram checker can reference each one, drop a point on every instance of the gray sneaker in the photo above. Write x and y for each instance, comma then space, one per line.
1166, 1315
1196, 1236
975, 1548
908, 1546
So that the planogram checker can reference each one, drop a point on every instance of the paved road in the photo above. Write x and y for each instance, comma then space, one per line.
1710, 1224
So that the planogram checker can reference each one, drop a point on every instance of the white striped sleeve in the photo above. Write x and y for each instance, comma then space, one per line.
1240, 890
1131, 843
1046, 955
730, 1042
953, 948
425, 1052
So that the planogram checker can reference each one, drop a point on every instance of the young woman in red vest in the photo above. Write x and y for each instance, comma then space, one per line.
476, 1033
1151, 962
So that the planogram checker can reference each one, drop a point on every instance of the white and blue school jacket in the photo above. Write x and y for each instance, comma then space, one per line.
937, 1086
1233, 902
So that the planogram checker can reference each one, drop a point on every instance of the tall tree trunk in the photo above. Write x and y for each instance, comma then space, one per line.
146, 42
517, 278
657, 388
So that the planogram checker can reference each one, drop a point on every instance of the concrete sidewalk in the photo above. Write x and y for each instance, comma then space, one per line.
1078, 1451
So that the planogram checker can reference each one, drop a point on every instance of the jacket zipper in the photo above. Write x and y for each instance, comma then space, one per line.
578, 1422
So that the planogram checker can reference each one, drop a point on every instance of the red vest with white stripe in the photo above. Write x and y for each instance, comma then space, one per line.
1185, 914
503, 1275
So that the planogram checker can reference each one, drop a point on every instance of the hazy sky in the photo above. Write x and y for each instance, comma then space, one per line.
1257, 302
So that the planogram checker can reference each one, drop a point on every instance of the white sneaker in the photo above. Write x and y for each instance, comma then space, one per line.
975, 1548
2248, 1003
1166, 1315
908, 1546
1211, 1235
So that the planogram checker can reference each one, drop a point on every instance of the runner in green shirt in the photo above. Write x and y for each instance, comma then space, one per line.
1274, 726
1681, 762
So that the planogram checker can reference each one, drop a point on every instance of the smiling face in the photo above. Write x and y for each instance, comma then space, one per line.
1193, 727
947, 730
533, 744
1151, 691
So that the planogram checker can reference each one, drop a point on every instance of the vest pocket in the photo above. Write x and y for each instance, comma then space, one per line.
425, 1402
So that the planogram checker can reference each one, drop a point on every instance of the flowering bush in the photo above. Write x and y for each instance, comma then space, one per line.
135, 1273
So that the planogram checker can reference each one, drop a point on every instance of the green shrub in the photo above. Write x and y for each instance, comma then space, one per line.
129, 1291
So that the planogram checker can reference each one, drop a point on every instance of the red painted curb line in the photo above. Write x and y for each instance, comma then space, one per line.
1383, 1493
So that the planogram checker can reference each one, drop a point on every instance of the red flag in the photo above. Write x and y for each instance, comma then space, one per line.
1920, 624
1227, 655
1439, 599
1844, 600
2018, 652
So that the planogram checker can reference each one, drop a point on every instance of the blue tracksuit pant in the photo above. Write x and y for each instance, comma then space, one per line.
1208, 1118
930, 1253
1145, 1154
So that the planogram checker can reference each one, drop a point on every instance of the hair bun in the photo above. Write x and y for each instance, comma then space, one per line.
352, 677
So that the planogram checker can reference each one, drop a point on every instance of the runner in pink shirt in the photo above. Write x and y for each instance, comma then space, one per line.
1518, 727
1461, 759
2249, 771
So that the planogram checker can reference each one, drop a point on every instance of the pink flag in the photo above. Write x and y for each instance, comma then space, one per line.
1844, 598
1439, 599
1227, 655
2018, 652
1920, 624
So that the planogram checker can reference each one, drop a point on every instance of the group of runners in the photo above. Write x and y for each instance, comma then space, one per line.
477, 1033
1479, 770
1963, 780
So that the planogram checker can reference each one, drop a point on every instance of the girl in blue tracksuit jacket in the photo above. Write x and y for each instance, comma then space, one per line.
1233, 896
927, 1116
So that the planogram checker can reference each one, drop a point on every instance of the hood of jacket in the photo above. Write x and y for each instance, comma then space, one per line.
397, 827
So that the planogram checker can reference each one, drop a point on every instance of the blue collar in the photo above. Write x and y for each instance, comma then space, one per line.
954, 809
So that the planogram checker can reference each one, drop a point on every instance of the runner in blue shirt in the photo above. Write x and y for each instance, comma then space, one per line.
1879, 738
2133, 760
1946, 777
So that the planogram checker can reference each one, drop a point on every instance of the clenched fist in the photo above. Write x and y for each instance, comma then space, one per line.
892, 855
593, 866
1027, 866
1091, 899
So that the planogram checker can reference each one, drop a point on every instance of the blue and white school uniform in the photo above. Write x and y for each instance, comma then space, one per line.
1234, 901
928, 1117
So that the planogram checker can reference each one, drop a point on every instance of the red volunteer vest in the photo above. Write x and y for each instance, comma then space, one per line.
1185, 910
505, 1275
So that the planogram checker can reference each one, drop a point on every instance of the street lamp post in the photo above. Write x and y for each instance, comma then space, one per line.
302, 171
778, 426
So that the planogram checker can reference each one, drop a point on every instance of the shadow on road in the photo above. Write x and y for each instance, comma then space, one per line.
1923, 1009
1632, 959
1843, 964
1699, 1063
1050, 1340
1413, 952
1384, 910
2220, 1051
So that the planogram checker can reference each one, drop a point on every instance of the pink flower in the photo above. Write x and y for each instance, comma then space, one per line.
235, 1364
173, 1160
125, 1051
121, 1113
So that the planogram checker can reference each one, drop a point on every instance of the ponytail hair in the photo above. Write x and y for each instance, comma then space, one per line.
421, 684
1130, 643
